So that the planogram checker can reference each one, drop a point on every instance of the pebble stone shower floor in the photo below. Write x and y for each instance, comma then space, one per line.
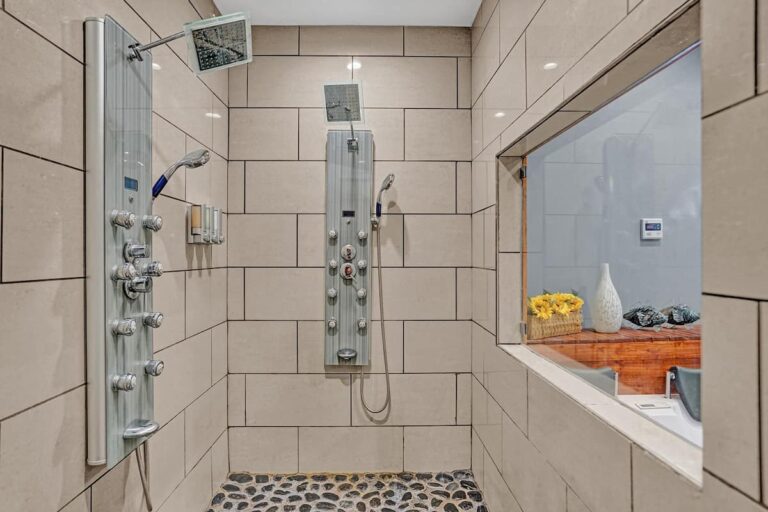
453, 491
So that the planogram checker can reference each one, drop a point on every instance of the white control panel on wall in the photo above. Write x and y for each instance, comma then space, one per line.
651, 229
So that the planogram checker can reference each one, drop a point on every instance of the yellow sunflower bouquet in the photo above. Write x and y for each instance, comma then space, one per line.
554, 314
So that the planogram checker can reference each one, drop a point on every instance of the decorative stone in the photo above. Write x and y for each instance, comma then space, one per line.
360, 506
242, 505
310, 497
330, 496
230, 487
261, 479
241, 478
218, 498
459, 495
450, 507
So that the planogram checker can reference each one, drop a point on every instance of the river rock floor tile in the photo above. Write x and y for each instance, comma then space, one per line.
450, 491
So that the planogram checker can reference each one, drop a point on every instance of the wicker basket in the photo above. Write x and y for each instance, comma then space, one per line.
556, 325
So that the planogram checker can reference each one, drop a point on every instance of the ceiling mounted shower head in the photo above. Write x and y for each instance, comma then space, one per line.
212, 43
343, 102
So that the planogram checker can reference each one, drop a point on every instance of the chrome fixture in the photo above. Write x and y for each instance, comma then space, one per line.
385, 185
124, 272
132, 251
153, 320
123, 218
126, 382
124, 327
191, 160
212, 43
151, 269
154, 367
152, 222
136, 286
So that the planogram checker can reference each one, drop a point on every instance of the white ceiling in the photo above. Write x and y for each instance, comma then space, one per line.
446, 13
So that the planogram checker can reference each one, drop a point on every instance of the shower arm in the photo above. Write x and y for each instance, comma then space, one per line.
137, 49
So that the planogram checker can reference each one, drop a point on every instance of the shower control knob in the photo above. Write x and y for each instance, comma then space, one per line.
124, 272
348, 252
151, 268
362, 235
138, 285
153, 320
361, 264
154, 367
332, 293
126, 382
124, 327
332, 234
132, 251
122, 218
333, 264
362, 323
361, 293
332, 323
348, 271
152, 222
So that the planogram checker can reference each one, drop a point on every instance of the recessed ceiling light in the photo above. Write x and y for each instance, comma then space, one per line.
550, 66
354, 65
213, 115
499, 114
156, 66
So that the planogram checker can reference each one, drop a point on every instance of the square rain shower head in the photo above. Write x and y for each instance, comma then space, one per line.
219, 43
343, 102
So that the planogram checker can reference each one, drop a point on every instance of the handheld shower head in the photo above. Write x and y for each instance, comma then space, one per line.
385, 185
191, 160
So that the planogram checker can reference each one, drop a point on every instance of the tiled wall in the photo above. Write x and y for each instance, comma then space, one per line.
534, 448
42, 356
287, 412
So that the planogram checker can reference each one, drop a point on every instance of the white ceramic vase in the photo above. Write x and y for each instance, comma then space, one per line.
605, 306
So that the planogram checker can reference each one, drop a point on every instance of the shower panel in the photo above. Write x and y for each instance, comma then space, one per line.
119, 228
348, 254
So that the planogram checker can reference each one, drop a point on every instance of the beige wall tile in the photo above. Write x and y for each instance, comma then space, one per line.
44, 444
262, 347
168, 297
655, 486
264, 134
194, 493
262, 240
464, 399
42, 201
478, 242
434, 134
312, 349
477, 127
235, 294
187, 375
208, 184
465, 83
166, 458
168, 146
386, 125
484, 298
438, 347
285, 187
179, 97
507, 382
204, 421
730, 354
284, 294
591, 457
236, 402
728, 63
43, 106
437, 448
574, 503
733, 150
510, 296
514, 16
510, 205
495, 491
484, 177
504, 98
562, 32
408, 82
238, 86
419, 187
434, 404
80, 504
346, 40
435, 298
169, 245
319, 400
218, 353
42, 352
311, 240
482, 18
721, 496
463, 187
762, 46
437, 240
294, 81
220, 121
206, 299
489, 237
351, 449
478, 452
119, 490
463, 294
275, 40
485, 58
437, 41
525, 470
763, 333
236, 187
219, 461
264, 449
486, 420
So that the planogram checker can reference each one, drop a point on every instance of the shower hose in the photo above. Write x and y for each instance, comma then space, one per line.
383, 336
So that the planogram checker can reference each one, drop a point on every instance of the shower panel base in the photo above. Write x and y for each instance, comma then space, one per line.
348, 294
